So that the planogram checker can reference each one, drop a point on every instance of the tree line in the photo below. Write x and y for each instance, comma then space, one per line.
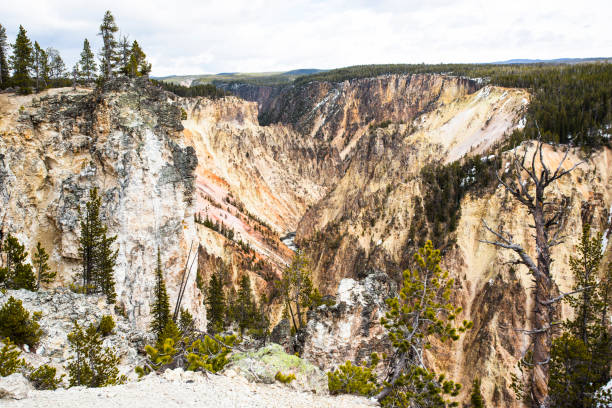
30, 67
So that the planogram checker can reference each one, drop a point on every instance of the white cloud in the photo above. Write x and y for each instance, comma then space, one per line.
255, 35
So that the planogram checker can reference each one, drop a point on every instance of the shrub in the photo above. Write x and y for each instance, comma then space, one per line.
91, 365
15, 322
353, 379
10, 362
44, 378
106, 326
206, 354
285, 379
210, 354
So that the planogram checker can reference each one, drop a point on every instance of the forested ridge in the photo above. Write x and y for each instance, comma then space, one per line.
570, 102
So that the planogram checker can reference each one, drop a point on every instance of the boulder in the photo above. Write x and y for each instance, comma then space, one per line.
262, 365
14, 386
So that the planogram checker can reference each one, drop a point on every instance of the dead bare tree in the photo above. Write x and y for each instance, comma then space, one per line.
528, 186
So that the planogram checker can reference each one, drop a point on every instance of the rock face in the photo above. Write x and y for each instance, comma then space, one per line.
60, 308
126, 140
14, 386
350, 329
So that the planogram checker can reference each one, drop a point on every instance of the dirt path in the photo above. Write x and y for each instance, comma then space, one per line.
185, 390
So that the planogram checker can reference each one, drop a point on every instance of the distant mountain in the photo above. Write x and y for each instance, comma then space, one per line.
259, 78
553, 61
305, 71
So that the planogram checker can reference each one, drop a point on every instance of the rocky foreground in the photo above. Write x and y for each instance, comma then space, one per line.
185, 389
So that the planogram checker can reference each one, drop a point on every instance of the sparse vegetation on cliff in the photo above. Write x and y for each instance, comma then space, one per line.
207, 91
420, 315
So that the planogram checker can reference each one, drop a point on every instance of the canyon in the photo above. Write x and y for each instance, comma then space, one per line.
334, 168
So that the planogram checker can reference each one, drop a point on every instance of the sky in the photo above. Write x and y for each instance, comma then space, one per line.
198, 37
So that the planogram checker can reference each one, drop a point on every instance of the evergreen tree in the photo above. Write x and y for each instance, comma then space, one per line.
476, 399
16, 323
108, 260
215, 299
186, 324
41, 67
160, 310
43, 271
17, 274
108, 28
138, 66
21, 61
296, 289
87, 63
421, 314
246, 309
588, 301
57, 68
91, 365
581, 357
92, 232
98, 259
123, 57
4, 67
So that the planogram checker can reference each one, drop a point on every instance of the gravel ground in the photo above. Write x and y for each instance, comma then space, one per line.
184, 389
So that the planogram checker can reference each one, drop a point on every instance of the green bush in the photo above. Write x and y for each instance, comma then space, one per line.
353, 379
15, 322
44, 378
10, 362
285, 379
91, 365
207, 354
106, 326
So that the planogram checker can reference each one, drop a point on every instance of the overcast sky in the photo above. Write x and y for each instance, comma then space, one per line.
191, 37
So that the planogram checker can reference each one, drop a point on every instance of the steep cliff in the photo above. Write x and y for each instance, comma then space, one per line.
126, 139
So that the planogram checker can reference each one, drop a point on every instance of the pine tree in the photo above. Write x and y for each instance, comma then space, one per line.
17, 274
92, 232
43, 273
588, 301
215, 300
245, 307
160, 310
4, 67
57, 68
91, 365
296, 288
21, 61
581, 357
421, 314
87, 63
108, 260
186, 324
108, 28
98, 259
123, 57
476, 399
41, 67
138, 66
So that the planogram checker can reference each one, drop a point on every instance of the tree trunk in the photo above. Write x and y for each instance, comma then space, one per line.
543, 312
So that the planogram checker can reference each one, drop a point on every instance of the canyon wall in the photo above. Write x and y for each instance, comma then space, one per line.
230, 181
